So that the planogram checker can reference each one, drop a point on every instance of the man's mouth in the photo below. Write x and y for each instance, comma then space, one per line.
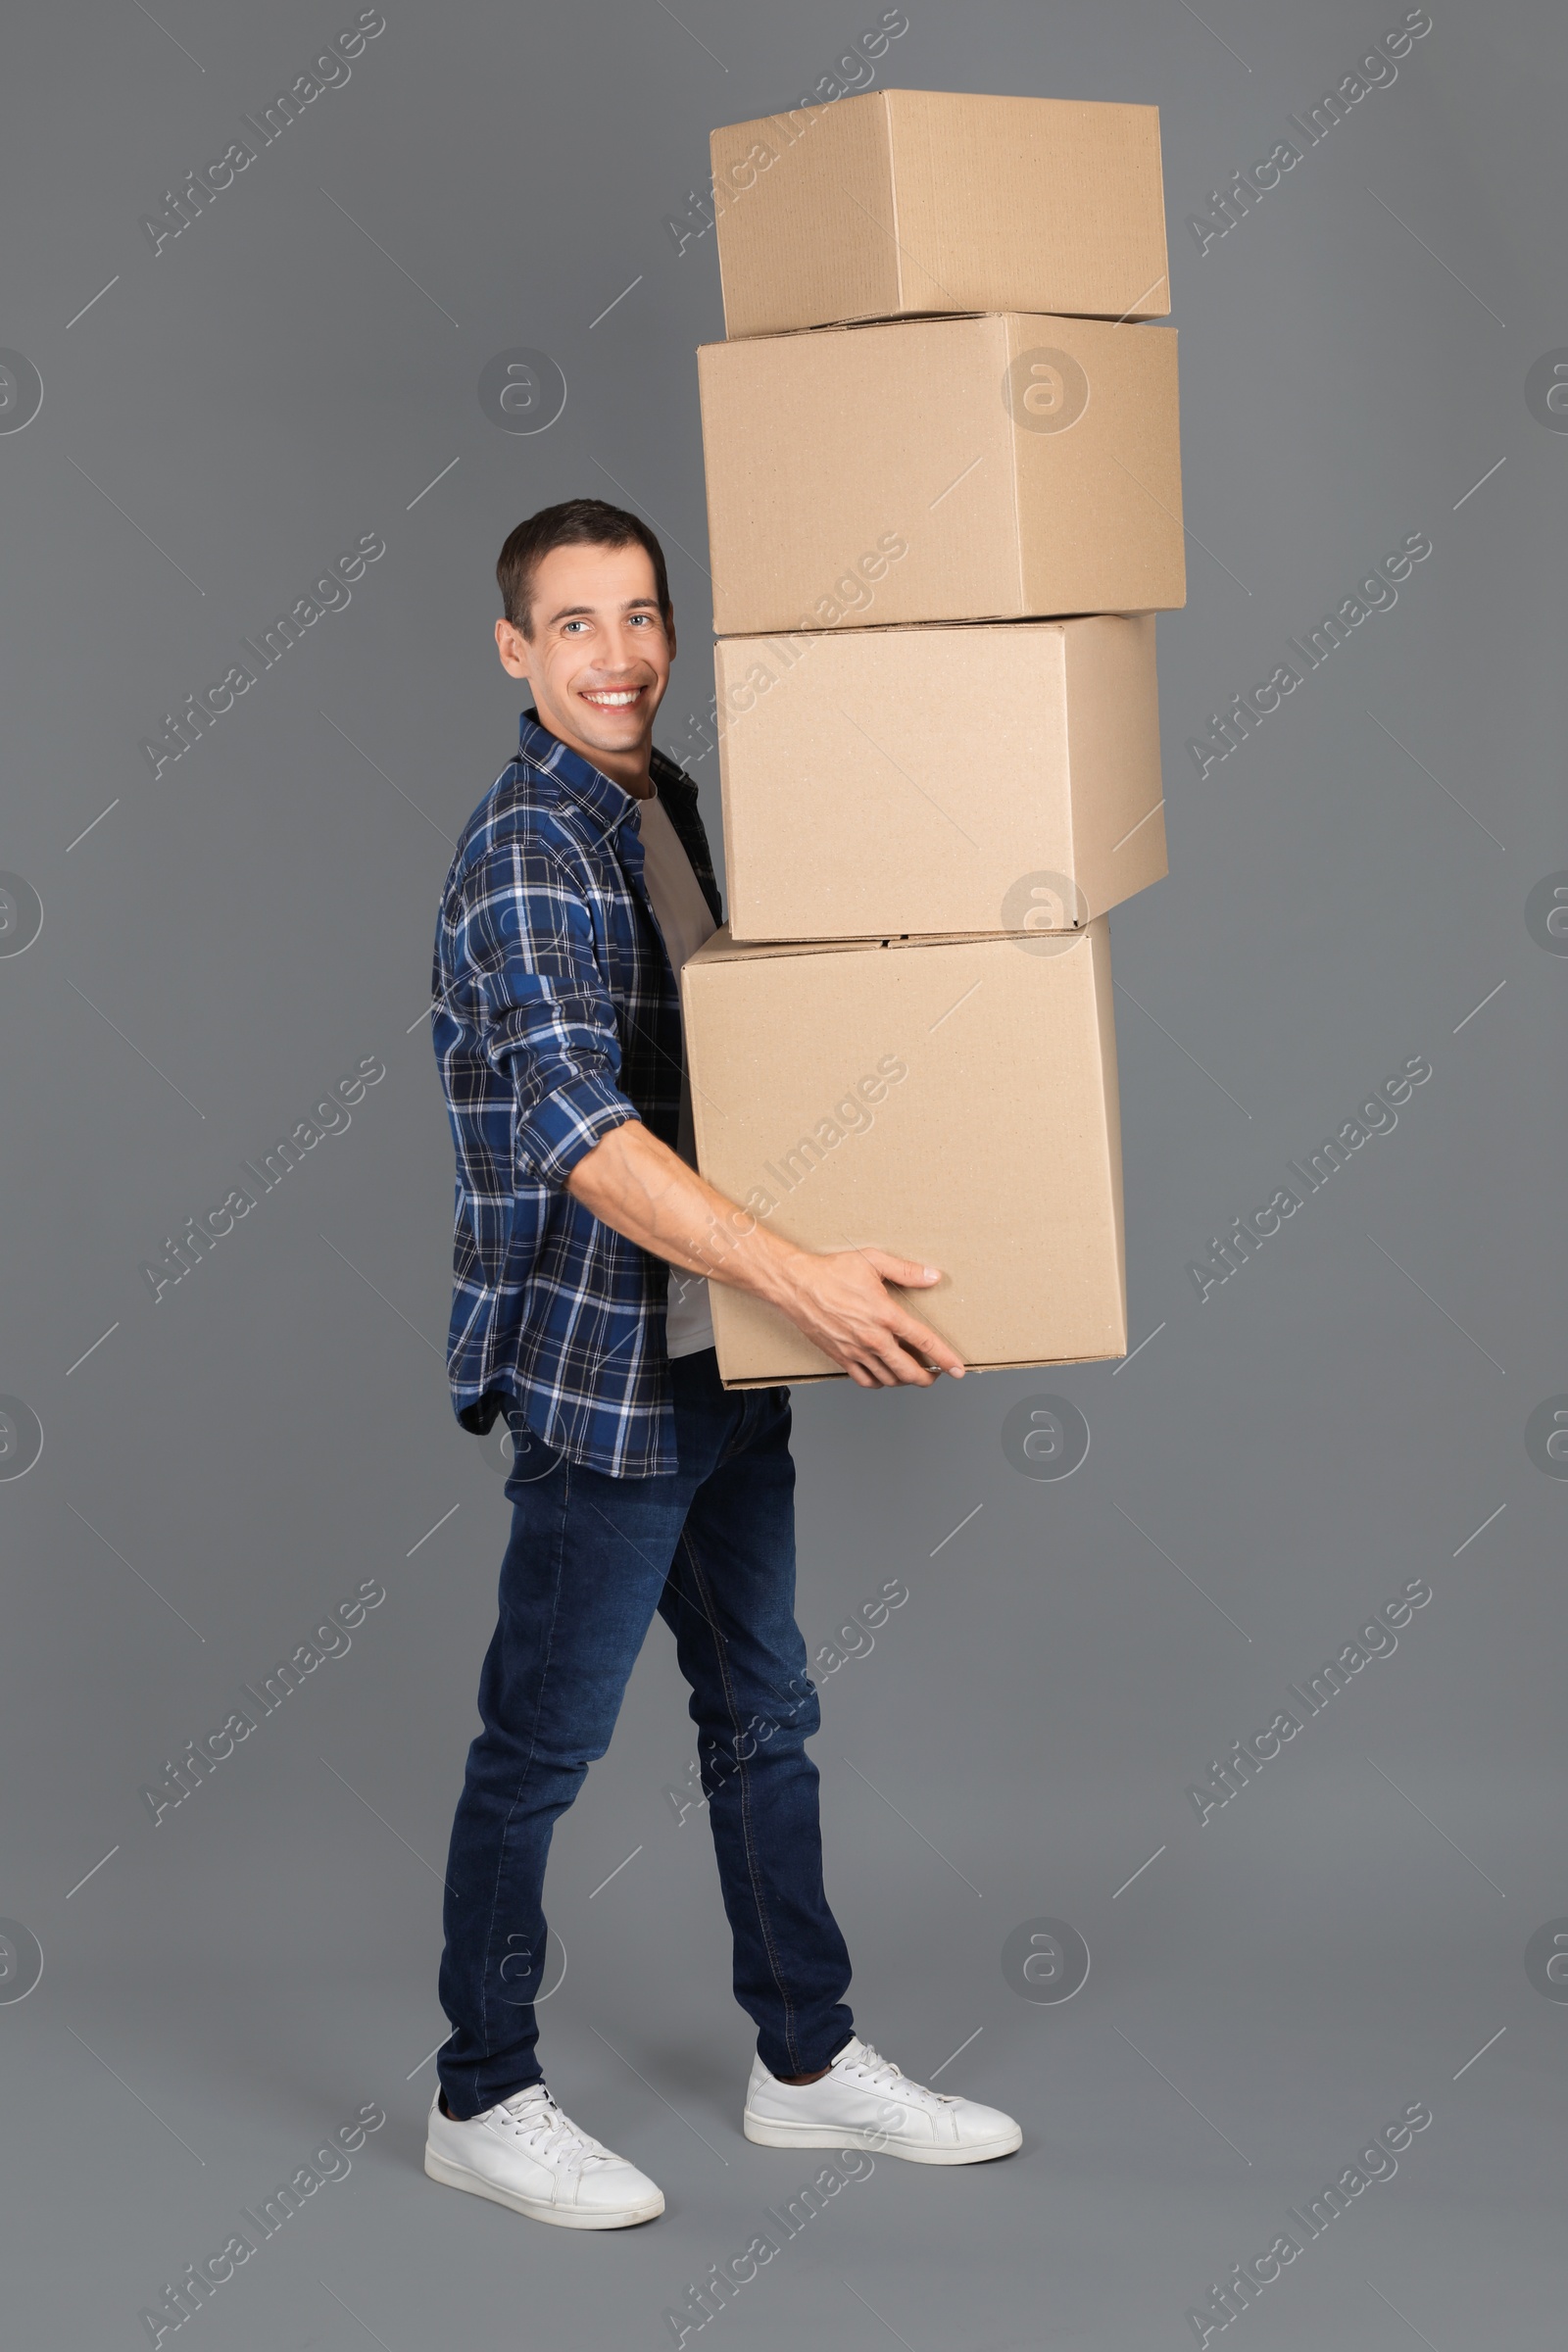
613, 698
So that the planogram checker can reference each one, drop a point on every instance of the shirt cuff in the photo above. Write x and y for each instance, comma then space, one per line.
565, 1124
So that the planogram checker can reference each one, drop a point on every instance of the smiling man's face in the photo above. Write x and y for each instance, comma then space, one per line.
598, 657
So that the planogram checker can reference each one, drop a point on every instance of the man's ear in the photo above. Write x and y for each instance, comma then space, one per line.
514, 650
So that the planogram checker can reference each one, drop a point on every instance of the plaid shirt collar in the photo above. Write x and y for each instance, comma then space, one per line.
599, 793
609, 805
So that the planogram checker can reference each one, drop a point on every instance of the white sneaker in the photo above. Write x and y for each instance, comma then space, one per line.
527, 2154
863, 2101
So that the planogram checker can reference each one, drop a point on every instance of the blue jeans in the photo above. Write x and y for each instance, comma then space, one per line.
711, 1548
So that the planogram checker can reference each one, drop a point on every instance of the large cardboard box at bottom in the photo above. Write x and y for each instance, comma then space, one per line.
950, 1100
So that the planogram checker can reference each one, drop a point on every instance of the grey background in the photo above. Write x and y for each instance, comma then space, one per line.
1279, 1459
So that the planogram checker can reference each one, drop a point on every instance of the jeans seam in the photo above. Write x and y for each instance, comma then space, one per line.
746, 1820
523, 1783
741, 1437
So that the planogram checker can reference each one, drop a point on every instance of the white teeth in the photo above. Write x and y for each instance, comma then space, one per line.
613, 700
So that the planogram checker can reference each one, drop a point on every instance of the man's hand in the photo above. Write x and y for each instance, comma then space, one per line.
841, 1300
843, 1306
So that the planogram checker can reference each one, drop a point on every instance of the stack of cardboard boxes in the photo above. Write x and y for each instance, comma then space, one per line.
944, 507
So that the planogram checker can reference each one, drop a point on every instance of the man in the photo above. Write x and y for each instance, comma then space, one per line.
584, 1242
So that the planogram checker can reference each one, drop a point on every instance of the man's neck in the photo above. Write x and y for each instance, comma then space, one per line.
633, 771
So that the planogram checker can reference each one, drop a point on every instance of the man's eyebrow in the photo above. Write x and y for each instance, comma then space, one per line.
633, 603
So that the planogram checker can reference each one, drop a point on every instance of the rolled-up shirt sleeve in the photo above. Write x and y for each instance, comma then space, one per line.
548, 1020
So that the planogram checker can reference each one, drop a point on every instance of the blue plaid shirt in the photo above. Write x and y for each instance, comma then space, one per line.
558, 1017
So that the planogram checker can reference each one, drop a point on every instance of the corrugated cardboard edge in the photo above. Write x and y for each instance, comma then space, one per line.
727, 814
889, 146
718, 239
722, 947
1012, 326
1162, 283
1021, 1364
1099, 935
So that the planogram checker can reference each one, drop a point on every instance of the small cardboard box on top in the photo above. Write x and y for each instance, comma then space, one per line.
1001, 468
953, 1102
880, 782
899, 202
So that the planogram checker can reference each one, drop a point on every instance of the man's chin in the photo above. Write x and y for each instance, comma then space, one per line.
626, 732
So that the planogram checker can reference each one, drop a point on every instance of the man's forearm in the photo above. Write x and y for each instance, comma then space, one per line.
844, 1301
645, 1191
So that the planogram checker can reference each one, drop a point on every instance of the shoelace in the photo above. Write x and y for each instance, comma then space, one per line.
536, 2119
881, 2074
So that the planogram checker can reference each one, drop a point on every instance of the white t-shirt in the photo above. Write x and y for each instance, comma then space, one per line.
685, 920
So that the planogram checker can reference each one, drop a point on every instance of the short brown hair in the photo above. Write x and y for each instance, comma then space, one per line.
576, 522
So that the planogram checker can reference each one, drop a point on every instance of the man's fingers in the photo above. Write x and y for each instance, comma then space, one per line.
902, 1352
925, 1342
888, 1348
904, 1366
908, 1273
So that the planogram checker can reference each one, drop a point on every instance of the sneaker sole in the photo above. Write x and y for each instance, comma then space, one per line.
563, 2216
769, 2134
